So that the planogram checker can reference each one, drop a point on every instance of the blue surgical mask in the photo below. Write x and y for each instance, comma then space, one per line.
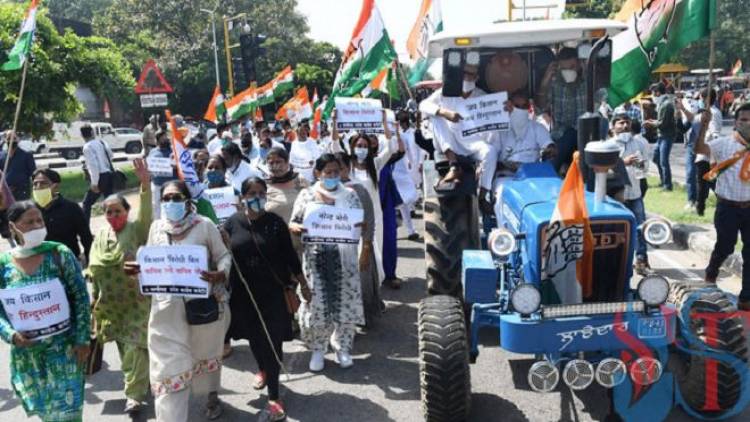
173, 211
361, 154
256, 204
214, 176
330, 183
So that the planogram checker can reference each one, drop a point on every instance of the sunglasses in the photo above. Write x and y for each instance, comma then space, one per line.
176, 197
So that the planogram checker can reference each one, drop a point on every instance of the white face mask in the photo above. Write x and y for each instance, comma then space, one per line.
569, 75
361, 154
519, 121
624, 137
469, 86
33, 238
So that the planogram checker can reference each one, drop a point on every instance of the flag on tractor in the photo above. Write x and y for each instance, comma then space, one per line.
186, 170
429, 22
216, 108
569, 238
655, 34
22, 48
265, 94
242, 104
297, 108
368, 53
283, 82
737, 68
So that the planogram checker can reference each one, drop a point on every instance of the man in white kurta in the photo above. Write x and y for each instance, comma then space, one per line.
446, 126
406, 174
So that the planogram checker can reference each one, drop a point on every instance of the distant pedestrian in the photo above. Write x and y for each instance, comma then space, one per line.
148, 140
666, 132
98, 160
20, 168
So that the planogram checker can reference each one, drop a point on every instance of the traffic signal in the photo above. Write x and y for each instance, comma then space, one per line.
251, 46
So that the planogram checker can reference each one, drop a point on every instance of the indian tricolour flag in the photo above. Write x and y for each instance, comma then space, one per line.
22, 48
368, 53
655, 34
216, 108
265, 94
297, 108
242, 104
568, 239
317, 111
186, 170
429, 22
283, 82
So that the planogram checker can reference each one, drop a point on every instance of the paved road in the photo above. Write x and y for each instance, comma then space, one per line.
383, 385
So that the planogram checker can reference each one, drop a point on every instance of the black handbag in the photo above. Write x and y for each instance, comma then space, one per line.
119, 179
202, 311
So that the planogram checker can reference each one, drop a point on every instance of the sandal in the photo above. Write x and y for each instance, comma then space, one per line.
275, 411
260, 380
213, 409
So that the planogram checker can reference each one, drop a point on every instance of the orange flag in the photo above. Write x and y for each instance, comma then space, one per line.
216, 107
569, 235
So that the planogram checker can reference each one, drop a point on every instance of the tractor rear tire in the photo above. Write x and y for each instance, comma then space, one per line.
728, 336
451, 226
445, 379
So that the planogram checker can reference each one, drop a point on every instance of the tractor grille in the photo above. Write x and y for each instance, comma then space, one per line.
612, 242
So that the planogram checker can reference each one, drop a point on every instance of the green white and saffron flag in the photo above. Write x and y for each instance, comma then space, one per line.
283, 82
242, 104
368, 53
22, 48
429, 22
654, 35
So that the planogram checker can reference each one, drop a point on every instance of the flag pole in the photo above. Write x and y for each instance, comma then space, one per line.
12, 136
712, 60
404, 79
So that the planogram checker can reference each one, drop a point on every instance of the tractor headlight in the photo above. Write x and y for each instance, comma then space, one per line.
501, 242
656, 231
653, 290
526, 299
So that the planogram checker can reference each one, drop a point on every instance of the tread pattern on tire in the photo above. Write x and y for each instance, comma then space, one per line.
445, 380
729, 336
449, 229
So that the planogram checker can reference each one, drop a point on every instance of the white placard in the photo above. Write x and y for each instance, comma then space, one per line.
37, 311
173, 270
223, 200
484, 114
154, 100
329, 224
160, 166
363, 114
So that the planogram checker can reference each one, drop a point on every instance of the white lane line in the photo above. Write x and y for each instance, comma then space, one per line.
692, 276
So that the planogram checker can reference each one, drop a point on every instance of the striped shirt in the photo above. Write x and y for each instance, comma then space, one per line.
728, 184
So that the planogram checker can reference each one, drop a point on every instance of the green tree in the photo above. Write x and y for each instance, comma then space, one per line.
59, 64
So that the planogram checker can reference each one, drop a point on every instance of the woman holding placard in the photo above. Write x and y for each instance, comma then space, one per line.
45, 316
265, 265
184, 356
120, 310
332, 270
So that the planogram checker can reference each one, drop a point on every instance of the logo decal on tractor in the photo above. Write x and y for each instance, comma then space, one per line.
564, 245
588, 331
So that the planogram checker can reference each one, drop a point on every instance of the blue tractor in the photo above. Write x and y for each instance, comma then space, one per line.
625, 334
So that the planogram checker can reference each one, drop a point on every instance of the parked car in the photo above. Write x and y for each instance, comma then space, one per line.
68, 142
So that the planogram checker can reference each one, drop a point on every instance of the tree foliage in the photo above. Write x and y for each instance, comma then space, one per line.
60, 63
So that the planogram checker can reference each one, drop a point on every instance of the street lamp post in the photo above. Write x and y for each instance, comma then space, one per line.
216, 47
228, 50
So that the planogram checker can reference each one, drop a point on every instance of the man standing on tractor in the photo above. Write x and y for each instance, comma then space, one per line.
449, 142
732, 174
562, 93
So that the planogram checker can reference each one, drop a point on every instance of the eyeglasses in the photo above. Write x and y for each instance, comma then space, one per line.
173, 197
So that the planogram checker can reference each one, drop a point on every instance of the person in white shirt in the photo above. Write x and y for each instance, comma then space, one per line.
214, 147
449, 142
406, 173
238, 170
97, 157
634, 153
304, 152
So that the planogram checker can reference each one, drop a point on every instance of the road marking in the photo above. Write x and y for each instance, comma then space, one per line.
692, 276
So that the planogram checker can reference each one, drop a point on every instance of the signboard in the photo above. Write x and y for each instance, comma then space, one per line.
159, 166
173, 270
363, 114
154, 100
152, 81
484, 114
329, 224
38, 311
223, 200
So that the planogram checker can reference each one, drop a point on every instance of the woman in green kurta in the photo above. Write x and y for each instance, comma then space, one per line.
46, 372
120, 311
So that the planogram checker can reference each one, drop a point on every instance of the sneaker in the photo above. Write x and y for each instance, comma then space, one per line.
133, 406
275, 411
344, 360
317, 361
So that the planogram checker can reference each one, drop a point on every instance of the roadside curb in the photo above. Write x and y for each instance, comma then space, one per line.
701, 241
75, 163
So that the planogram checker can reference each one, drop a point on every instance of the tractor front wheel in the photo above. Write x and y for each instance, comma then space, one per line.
445, 381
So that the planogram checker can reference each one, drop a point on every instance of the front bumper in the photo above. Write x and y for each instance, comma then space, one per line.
593, 333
